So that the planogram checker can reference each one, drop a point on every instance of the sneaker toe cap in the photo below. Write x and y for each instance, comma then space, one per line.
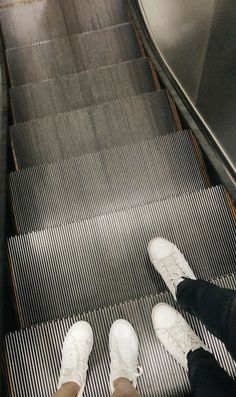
163, 316
81, 330
159, 248
122, 328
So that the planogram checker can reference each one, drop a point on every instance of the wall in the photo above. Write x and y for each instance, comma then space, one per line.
197, 40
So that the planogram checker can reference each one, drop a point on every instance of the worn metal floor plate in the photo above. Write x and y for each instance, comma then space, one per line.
48, 19
72, 54
103, 182
103, 261
81, 90
76, 133
35, 354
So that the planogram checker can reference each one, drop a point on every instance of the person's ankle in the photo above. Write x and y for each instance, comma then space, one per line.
72, 386
117, 382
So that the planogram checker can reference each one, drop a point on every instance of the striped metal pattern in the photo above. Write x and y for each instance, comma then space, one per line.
48, 19
71, 54
103, 182
11, 3
162, 375
92, 129
80, 90
103, 261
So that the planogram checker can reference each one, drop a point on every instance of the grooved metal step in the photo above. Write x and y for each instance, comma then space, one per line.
16, 3
102, 261
92, 129
103, 182
72, 54
35, 354
45, 20
80, 90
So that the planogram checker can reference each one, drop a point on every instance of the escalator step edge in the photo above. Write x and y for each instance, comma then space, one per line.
80, 90
102, 261
105, 181
63, 18
72, 54
33, 355
92, 129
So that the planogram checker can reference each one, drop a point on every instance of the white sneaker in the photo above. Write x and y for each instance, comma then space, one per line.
123, 343
169, 262
174, 333
75, 354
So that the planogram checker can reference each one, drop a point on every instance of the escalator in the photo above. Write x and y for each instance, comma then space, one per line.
102, 165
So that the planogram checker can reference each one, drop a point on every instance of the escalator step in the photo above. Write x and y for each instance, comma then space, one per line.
92, 129
103, 261
16, 3
80, 90
71, 54
103, 182
35, 354
48, 19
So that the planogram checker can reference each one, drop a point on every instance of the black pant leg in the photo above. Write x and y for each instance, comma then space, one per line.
214, 306
207, 378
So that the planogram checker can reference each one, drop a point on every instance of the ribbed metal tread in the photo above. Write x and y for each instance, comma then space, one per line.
16, 3
80, 90
92, 129
10, 3
72, 54
35, 354
102, 261
59, 18
103, 182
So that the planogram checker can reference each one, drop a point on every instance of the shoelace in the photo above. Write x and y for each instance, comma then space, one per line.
139, 371
182, 337
133, 372
172, 267
80, 367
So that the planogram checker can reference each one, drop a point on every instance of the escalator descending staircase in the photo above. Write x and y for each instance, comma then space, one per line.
102, 167
100, 127
163, 376
80, 90
103, 182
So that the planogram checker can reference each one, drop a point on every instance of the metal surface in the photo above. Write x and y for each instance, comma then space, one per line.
162, 375
81, 90
103, 182
92, 129
221, 169
11, 3
45, 20
103, 261
3, 192
72, 54
199, 51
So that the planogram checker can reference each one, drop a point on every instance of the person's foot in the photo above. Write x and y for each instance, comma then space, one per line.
169, 262
174, 333
123, 344
75, 354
